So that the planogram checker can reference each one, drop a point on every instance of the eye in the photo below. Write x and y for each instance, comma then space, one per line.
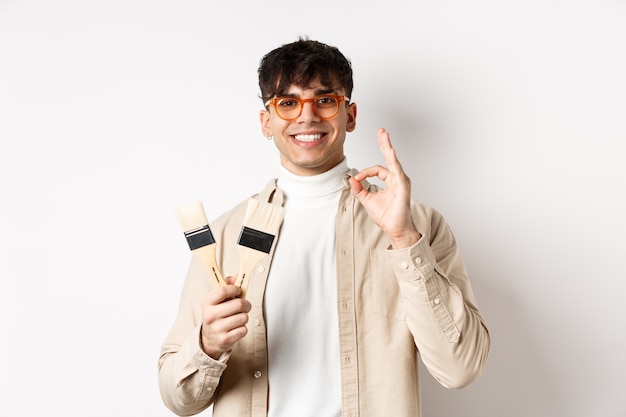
325, 101
287, 103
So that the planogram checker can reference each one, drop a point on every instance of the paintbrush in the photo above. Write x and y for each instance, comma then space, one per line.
260, 226
195, 225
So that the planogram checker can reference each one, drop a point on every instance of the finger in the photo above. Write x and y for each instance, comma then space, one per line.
220, 294
234, 335
230, 323
231, 279
218, 341
234, 306
226, 291
389, 152
384, 143
224, 301
374, 171
355, 185
214, 315
226, 340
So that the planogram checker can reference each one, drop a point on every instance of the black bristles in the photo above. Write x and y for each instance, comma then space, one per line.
256, 239
199, 237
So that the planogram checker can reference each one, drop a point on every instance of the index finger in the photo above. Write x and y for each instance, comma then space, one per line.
222, 293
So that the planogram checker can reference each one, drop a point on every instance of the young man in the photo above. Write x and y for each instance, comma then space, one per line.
361, 281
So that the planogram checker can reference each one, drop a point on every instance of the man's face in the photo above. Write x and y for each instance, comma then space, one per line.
309, 145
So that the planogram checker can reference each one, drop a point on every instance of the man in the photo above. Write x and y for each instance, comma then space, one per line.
360, 283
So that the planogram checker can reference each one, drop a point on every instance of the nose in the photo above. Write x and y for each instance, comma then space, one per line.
308, 113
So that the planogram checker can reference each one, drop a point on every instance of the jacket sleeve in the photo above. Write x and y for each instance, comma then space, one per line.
449, 331
188, 377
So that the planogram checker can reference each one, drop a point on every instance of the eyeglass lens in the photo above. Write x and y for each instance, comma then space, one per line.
323, 106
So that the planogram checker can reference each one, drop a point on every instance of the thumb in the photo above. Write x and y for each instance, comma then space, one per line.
356, 188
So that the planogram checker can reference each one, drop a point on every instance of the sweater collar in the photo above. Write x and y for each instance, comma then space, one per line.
325, 184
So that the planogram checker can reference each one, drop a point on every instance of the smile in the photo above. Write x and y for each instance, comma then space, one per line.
308, 138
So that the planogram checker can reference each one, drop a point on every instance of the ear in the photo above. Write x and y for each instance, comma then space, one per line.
264, 118
351, 117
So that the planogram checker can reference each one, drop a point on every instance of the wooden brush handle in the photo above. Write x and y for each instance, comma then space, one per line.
207, 254
249, 259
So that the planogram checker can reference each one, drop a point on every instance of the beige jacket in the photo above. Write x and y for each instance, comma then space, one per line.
393, 306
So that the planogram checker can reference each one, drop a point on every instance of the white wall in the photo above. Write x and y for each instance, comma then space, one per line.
508, 115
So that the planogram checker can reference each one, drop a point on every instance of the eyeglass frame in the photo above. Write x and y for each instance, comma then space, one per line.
274, 101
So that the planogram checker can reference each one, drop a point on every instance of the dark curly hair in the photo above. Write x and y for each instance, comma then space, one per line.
301, 62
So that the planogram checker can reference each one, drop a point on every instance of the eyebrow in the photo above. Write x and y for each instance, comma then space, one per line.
318, 92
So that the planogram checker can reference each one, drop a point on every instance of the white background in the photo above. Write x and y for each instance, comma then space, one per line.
509, 117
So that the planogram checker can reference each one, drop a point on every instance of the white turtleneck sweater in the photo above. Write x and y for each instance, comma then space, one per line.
301, 300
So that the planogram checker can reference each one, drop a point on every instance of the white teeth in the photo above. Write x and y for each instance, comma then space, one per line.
308, 138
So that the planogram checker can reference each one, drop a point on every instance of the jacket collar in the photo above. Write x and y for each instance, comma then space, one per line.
272, 193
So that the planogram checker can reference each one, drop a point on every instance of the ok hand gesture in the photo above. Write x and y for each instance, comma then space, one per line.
389, 208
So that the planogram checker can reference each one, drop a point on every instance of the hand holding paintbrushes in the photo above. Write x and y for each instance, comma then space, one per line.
225, 309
